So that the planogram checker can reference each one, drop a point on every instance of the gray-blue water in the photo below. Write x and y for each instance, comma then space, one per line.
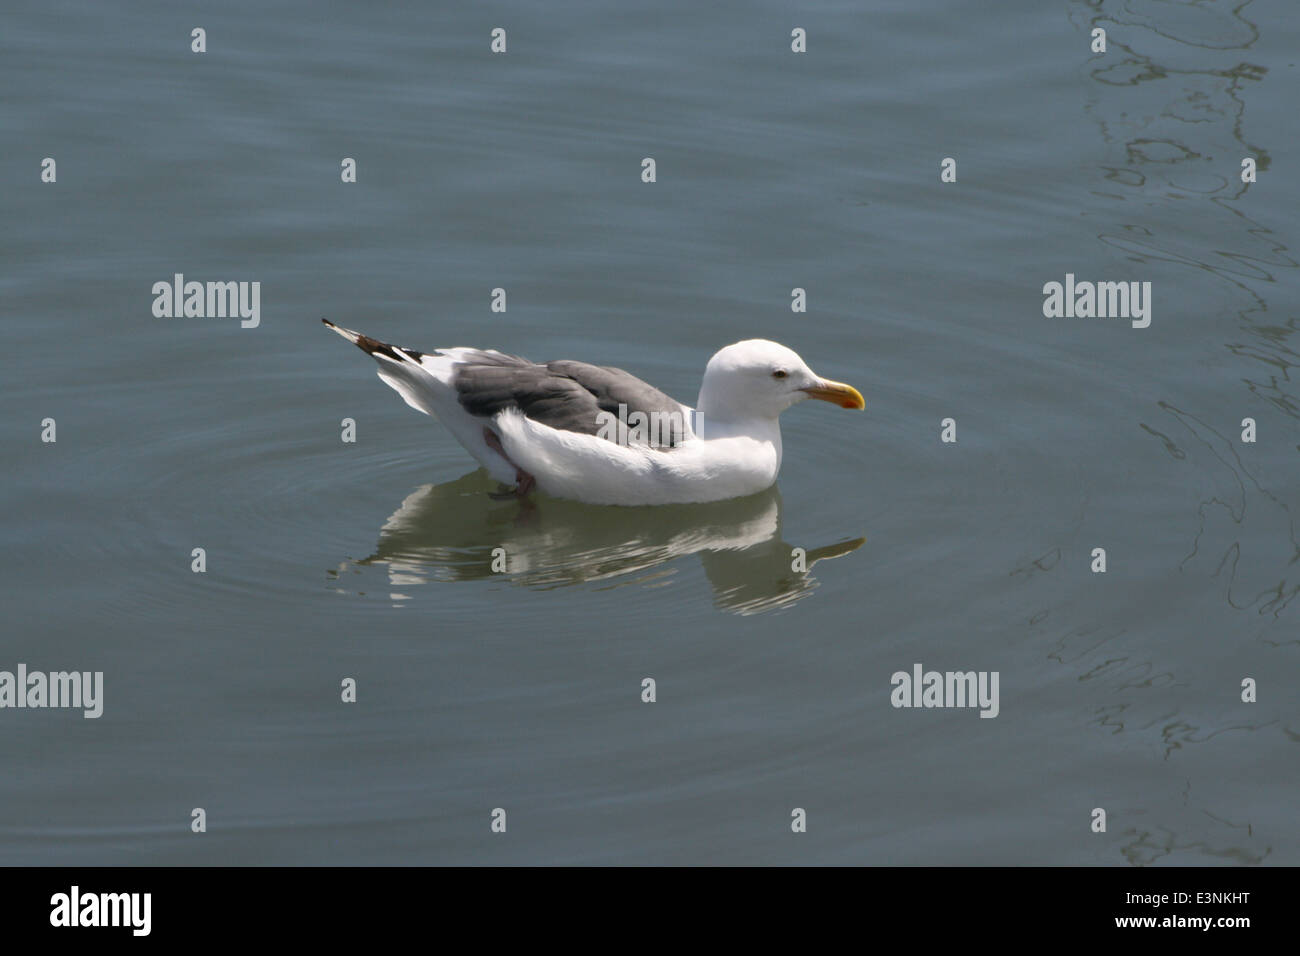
522, 691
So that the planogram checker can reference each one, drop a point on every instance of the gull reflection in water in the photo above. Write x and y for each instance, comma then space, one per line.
450, 532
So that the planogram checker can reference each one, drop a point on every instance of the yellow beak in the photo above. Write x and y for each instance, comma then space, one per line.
845, 396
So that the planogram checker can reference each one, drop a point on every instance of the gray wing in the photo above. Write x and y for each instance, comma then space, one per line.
566, 395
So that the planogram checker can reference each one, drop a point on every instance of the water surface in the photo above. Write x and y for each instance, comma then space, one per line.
522, 690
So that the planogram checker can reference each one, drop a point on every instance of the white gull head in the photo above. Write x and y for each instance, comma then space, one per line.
756, 380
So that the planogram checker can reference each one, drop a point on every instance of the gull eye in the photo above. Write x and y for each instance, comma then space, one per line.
780, 373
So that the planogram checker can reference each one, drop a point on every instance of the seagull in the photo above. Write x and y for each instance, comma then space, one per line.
602, 436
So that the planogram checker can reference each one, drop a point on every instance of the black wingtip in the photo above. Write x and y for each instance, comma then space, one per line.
374, 346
